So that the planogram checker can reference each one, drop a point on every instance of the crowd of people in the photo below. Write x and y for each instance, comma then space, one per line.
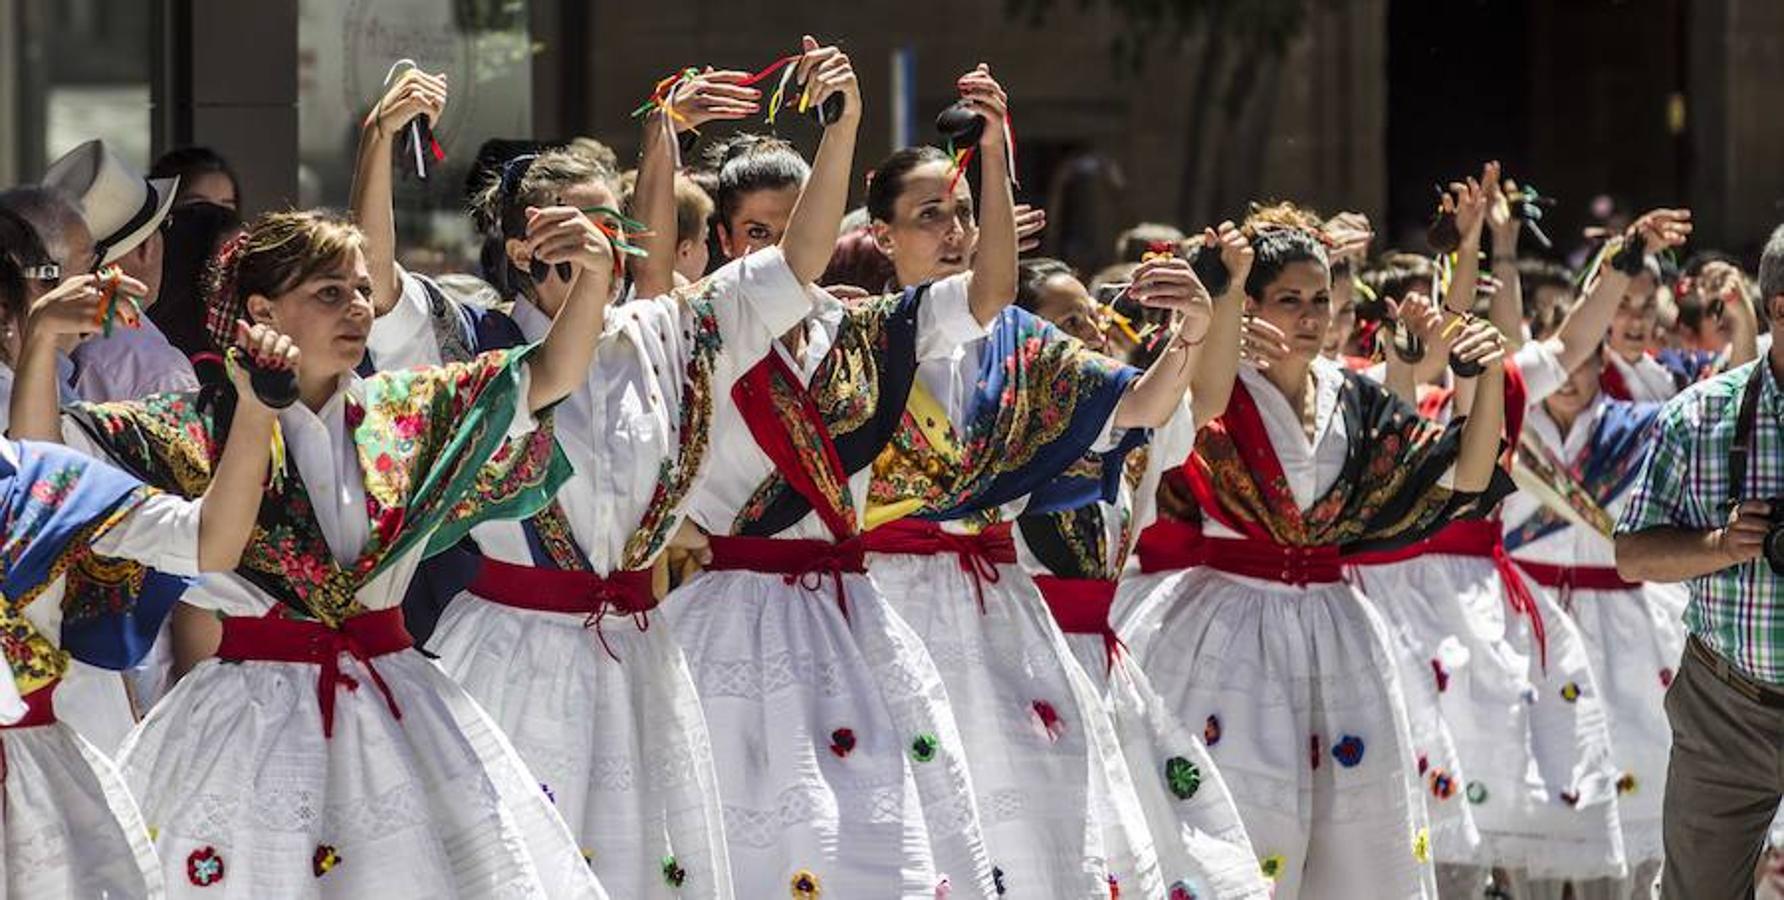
717, 540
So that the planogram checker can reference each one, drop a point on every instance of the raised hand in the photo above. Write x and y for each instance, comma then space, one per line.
1479, 342
1030, 222
269, 350
1262, 344
712, 96
413, 93
77, 305
1661, 229
1235, 253
826, 70
565, 234
1169, 283
1350, 233
983, 95
1502, 224
1467, 200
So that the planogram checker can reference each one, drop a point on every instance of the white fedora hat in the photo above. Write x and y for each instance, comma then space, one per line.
120, 207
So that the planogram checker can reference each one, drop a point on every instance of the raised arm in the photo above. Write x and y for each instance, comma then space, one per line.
994, 263
413, 93
67, 311
1168, 283
1484, 427
707, 97
1468, 200
1582, 332
565, 234
1506, 310
810, 238
232, 500
1211, 384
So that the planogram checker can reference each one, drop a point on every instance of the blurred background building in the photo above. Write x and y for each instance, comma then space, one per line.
1125, 110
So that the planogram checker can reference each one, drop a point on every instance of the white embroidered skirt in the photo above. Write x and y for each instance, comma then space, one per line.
1536, 767
1299, 700
1059, 808
248, 799
1201, 840
838, 758
617, 741
71, 828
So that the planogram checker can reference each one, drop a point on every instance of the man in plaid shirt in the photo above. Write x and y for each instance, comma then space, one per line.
1687, 522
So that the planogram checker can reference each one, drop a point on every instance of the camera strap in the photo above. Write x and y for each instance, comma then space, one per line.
1743, 431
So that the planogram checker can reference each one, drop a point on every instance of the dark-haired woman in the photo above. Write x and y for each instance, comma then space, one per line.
1288, 668
205, 177
77, 594
1075, 556
318, 753
1003, 424
554, 633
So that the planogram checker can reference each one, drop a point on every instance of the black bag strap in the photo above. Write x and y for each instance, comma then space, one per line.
1743, 432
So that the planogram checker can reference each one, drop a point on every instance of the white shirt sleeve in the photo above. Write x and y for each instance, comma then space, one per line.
945, 318
756, 299
162, 533
404, 337
1540, 363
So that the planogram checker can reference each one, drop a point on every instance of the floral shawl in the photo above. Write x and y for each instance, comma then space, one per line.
1074, 543
55, 504
1041, 401
1607, 467
432, 444
818, 436
1387, 494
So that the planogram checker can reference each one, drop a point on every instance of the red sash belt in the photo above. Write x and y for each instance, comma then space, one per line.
1482, 539
1271, 561
979, 554
1169, 545
40, 709
802, 562
1081, 606
365, 636
1570, 578
594, 597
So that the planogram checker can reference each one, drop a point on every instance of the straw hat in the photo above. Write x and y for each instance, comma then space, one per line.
120, 207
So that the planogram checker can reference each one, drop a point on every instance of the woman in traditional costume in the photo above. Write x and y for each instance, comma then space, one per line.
94, 562
553, 635
318, 753
1288, 668
1075, 557
1587, 449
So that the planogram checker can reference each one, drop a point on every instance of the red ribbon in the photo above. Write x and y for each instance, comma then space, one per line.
594, 597
275, 639
979, 554
802, 562
1081, 606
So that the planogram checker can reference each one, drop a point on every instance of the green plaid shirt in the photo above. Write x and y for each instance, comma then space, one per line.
1684, 484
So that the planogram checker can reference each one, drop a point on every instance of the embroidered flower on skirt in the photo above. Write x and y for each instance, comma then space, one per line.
1348, 751
842, 741
1626, 783
1313, 750
1477, 793
1571, 798
1211, 731
1184, 889
1443, 785
1666, 677
204, 866
673, 874
997, 880
805, 885
1183, 776
1570, 692
1441, 674
1051, 725
923, 749
1273, 866
1421, 845
325, 859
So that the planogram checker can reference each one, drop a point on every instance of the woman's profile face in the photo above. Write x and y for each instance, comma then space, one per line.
1298, 301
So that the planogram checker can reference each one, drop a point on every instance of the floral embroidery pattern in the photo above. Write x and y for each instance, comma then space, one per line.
1477, 793
1441, 674
676, 477
1421, 845
805, 885
1443, 784
923, 749
673, 874
1184, 889
1626, 783
1184, 777
1211, 731
1666, 677
1273, 866
1570, 692
1051, 725
842, 742
204, 867
324, 859
997, 880
1348, 751
1571, 798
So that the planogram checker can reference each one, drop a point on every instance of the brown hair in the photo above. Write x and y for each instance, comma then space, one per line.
275, 254
1281, 234
693, 208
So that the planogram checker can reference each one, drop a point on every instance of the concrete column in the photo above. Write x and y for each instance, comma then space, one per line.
9, 90
230, 83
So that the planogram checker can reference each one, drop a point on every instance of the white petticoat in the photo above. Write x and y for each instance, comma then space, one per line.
71, 828
1200, 838
618, 742
1634, 640
1299, 699
883, 810
1059, 808
1537, 768
242, 790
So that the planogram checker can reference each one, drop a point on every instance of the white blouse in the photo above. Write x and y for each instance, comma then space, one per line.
738, 467
1570, 545
1648, 380
624, 423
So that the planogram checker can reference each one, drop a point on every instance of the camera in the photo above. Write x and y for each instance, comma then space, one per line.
1773, 548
